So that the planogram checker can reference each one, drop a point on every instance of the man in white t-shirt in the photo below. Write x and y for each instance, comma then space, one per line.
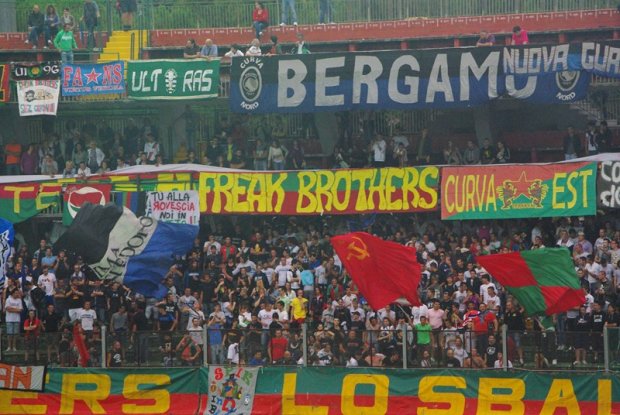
378, 148
417, 312
282, 271
87, 317
484, 288
233, 353
47, 282
13, 308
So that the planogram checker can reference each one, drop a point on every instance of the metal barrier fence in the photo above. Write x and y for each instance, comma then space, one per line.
323, 346
170, 14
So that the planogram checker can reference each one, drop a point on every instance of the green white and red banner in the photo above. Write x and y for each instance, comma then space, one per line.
518, 191
326, 390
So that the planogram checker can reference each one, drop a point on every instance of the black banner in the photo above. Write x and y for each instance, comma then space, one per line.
608, 185
22, 71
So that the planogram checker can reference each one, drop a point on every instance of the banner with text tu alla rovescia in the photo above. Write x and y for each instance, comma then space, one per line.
173, 79
608, 185
5, 89
518, 191
38, 97
350, 191
20, 201
93, 79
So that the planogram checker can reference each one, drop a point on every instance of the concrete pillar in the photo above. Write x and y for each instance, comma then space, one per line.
8, 17
482, 122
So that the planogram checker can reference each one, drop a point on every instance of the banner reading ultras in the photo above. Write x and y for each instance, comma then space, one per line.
439, 78
518, 191
407, 189
173, 79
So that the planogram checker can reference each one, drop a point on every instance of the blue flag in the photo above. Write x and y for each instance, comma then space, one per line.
120, 247
7, 234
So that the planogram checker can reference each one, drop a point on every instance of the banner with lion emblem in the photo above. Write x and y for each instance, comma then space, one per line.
231, 390
518, 191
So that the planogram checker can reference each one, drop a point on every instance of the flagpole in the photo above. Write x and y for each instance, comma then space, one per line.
504, 347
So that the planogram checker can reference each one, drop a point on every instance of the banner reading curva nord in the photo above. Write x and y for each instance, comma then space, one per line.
173, 79
408, 79
409, 189
518, 191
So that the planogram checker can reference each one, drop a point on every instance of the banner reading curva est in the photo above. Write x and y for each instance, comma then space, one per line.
410, 189
518, 191
173, 79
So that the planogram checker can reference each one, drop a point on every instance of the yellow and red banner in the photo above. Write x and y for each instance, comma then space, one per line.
410, 189
518, 191
4, 83
20, 201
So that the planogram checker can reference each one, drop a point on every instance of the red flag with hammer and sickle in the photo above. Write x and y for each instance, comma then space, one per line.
384, 271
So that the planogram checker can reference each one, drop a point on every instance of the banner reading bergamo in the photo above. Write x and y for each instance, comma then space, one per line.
438, 78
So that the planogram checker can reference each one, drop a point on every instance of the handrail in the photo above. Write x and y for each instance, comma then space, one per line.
168, 14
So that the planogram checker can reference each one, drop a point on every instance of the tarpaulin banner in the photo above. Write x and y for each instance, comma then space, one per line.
231, 390
409, 189
38, 97
173, 79
323, 390
5, 89
93, 79
20, 201
609, 185
76, 195
24, 378
439, 78
7, 235
518, 191
21, 71
174, 207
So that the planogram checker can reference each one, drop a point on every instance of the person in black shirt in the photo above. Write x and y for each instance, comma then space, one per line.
513, 318
582, 326
597, 318
452, 361
139, 329
115, 297
207, 286
192, 50
115, 355
51, 323
63, 268
490, 354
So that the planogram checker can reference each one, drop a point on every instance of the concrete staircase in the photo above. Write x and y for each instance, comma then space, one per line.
119, 47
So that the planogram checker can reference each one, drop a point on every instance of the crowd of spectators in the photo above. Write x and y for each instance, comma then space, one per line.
98, 148
258, 283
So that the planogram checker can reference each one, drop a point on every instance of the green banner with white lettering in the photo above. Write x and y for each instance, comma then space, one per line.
173, 79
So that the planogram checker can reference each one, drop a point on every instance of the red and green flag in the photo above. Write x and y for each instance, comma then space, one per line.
21, 201
76, 195
544, 281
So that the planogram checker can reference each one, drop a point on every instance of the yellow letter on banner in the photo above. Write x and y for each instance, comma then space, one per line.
350, 382
428, 395
604, 397
160, 397
91, 397
561, 395
8, 407
486, 397
17, 191
289, 407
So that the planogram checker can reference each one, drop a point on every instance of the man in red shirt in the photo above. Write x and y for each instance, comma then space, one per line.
31, 335
519, 36
277, 347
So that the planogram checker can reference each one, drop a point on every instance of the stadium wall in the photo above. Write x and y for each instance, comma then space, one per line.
321, 390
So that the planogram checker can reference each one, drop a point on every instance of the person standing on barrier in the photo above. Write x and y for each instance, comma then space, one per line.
50, 321
513, 318
65, 43
140, 335
89, 17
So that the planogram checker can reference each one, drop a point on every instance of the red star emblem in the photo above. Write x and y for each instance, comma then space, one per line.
92, 77
522, 185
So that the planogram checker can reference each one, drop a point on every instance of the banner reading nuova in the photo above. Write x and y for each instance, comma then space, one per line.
439, 78
518, 191
93, 79
173, 79
609, 185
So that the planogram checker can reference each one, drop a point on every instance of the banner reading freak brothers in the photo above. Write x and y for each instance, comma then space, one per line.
518, 191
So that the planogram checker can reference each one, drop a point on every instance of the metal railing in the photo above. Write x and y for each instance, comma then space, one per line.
304, 345
169, 14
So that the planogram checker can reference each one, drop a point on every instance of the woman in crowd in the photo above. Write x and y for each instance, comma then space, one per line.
260, 18
50, 25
